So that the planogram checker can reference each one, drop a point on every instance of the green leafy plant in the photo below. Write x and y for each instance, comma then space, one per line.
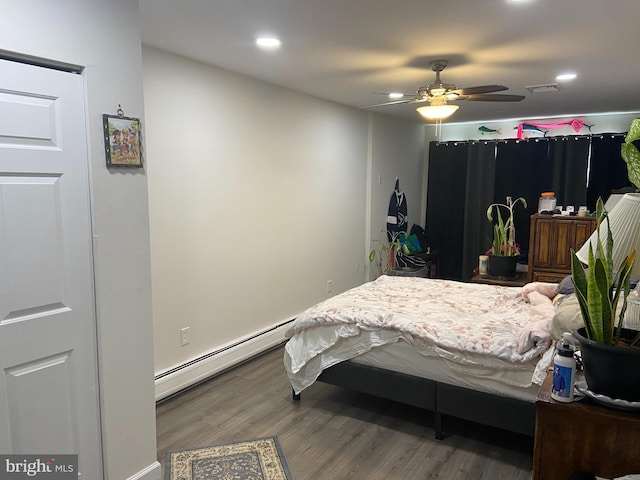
504, 229
600, 288
631, 154
383, 253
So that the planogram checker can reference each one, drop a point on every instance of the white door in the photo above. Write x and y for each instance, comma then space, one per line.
48, 363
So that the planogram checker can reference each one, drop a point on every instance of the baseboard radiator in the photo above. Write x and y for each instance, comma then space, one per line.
152, 472
194, 371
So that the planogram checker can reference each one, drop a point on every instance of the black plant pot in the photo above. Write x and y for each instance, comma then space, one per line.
502, 266
611, 370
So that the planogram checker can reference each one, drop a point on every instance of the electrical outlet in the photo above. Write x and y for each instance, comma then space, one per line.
329, 286
185, 336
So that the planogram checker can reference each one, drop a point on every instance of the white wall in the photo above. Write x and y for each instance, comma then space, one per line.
104, 37
258, 196
397, 152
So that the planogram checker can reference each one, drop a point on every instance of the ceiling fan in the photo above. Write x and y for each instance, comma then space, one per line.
439, 93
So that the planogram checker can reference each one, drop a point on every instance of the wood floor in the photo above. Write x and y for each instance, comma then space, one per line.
334, 434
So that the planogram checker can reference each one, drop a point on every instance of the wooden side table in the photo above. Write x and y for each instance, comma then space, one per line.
583, 436
519, 281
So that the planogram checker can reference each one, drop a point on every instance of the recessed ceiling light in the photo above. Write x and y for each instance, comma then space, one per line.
396, 95
268, 43
563, 77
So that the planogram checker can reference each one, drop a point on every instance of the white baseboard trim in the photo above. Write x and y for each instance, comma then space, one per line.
192, 372
152, 472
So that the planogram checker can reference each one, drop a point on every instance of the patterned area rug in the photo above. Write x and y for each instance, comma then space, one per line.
260, 459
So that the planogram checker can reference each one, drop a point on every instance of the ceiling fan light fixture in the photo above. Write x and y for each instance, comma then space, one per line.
437, 112
439, 93
396, 95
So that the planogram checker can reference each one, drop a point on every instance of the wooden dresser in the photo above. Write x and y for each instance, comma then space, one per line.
583, 436
550, 243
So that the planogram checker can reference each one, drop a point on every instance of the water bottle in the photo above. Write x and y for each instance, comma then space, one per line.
564, 370
547, 202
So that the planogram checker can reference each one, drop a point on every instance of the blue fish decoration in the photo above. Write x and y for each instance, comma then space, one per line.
532, 128
485, 130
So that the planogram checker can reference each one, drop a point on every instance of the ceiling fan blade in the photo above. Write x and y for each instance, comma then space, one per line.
495, 98
396, 102
480, 89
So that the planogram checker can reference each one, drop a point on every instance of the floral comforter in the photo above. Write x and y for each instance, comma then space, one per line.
464, 318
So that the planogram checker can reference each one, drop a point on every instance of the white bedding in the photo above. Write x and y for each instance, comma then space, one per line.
485, 330
401, 357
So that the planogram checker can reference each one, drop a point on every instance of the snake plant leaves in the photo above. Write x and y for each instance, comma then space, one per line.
579, 280
599, 289
603, 304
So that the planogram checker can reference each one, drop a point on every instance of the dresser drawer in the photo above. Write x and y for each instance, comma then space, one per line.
550, 277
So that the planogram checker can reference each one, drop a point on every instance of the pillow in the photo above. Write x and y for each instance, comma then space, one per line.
545, 288
567, 317
565, 287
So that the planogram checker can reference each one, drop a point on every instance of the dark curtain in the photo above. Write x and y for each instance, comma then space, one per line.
477, 232
523, 169
607, 170
570, 161
466, 177
446, 205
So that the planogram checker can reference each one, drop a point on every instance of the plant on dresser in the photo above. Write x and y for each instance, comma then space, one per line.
610, 353
504, 249
611, 358
599, 286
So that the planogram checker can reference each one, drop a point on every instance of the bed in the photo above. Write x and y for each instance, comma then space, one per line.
473, 351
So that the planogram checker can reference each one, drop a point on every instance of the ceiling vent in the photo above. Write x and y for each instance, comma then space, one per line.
549, 87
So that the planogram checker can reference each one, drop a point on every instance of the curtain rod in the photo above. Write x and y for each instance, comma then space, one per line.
530, 139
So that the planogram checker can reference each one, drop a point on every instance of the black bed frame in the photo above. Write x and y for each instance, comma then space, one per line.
440, 398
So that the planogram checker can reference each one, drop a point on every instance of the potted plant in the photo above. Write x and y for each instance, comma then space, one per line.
609, 352
630, 153
384, 254
504, 249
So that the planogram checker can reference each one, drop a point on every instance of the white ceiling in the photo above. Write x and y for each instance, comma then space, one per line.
346, 50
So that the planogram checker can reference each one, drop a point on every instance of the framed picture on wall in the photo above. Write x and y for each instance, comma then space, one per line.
122, 141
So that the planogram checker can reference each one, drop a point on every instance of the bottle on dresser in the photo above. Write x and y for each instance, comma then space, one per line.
564, 370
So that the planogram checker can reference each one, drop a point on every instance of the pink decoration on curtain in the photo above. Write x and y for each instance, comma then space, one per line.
575, 124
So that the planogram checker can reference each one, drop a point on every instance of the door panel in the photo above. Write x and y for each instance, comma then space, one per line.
32, 236
543, 253
28, 119
37, 428
48, 361
584, 229
564, 235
